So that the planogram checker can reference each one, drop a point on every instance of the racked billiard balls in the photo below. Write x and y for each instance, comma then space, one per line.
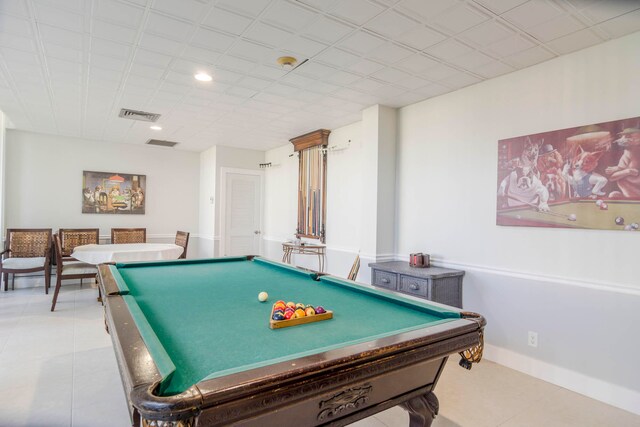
619, 220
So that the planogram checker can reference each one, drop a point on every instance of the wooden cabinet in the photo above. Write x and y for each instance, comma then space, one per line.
443, 285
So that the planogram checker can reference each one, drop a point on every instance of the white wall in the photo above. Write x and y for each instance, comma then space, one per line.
207, 201
44, 184
344, 201
3, 126
578, 289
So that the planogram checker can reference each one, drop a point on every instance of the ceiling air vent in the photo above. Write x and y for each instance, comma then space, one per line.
138, 115
161, 143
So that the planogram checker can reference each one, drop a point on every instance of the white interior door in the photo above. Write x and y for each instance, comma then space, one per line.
242, 214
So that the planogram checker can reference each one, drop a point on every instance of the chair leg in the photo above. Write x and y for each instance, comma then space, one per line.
55, 293
47, 278
13, 281
81, 282
5, 278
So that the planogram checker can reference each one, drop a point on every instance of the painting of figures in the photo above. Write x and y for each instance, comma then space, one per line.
581, 177
113, 193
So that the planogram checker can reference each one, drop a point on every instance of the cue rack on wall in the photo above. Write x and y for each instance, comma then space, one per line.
312, 183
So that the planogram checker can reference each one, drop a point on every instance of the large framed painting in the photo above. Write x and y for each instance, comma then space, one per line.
583, 177
113, 193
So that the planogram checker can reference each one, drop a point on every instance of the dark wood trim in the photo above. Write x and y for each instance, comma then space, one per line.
371, 376
311, 139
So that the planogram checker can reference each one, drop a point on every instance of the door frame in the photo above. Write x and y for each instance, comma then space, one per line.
224, 171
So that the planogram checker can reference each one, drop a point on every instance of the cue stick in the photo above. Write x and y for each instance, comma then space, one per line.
538, 210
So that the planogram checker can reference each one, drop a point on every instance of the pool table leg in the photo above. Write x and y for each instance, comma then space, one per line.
422, 409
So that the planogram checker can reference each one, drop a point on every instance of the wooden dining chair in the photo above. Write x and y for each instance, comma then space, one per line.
69, 269
182, 239
72, 237
27, 250
128, 235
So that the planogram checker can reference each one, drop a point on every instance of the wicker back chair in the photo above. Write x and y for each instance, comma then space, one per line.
69, 268
27, 250
72, 237
182, 239
128, 235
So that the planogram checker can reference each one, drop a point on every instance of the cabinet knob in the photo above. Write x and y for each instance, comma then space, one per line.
414, 287
385, 280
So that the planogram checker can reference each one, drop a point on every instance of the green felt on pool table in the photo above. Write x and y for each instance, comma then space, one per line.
186, 314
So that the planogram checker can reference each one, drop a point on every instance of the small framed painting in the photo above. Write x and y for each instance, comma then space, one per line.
113, 193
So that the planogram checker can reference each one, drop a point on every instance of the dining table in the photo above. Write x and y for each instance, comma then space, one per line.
126, 252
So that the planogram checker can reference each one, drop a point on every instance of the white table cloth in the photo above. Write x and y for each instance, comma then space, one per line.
126, 252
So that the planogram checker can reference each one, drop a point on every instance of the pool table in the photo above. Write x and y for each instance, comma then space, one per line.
194, 346
587, 215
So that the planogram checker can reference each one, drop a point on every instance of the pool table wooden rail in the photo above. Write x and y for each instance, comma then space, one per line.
335, 387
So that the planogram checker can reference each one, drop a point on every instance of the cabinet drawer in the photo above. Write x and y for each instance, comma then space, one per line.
414, 286
385, 279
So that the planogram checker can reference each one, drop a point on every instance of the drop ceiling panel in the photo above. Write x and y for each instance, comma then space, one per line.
75, 63
117, 33
119, 13
186, 9
327, 30
222, 20
357, 11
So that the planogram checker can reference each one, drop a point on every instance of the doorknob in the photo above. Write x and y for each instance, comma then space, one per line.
256, 232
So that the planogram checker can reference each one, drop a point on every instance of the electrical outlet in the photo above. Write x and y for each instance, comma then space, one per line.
533, 339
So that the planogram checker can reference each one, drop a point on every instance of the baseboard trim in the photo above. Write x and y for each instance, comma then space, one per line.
620, 397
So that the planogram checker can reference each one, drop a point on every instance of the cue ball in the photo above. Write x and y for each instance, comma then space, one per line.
262, 296
619, 220
572, 217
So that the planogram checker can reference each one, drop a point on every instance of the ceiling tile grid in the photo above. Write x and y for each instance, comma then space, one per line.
67, 67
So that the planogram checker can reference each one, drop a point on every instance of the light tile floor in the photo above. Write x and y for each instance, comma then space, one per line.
58, 369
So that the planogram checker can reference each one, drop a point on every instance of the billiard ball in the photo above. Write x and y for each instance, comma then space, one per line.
300, 305
278, 316
291, 304
288, 315
634, 225
320, 309
263, 296
309, 311
280, 302
604, 206
599, 202
572, 217
619, 220
279, 306
300, 313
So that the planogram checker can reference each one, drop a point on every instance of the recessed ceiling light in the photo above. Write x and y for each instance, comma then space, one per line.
203, 77
155, 127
